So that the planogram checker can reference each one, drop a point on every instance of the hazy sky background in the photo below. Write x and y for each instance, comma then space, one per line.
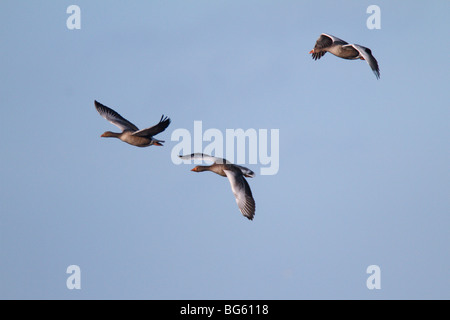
364, 164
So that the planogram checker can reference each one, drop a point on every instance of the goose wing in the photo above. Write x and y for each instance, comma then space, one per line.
153, 131
242, 192
366, 53
245, 171
324, 42
334, 40
115, 118
204, 157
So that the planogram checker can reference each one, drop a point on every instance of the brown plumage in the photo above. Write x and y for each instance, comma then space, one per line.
130, 133
342, 49
236, 175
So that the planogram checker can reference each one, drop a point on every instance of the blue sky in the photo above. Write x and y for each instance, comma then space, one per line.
364, 163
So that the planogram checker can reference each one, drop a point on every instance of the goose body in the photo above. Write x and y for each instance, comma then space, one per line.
130, 133
236, 175
342, 49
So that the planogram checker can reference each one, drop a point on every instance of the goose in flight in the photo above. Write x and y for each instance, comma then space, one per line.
340, 48
236, 175
130, 133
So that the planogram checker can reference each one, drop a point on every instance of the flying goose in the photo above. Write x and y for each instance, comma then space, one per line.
342, 49
236, 175
130, 133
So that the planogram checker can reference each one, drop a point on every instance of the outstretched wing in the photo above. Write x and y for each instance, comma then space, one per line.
324, 42
204, 157
242, 193
335, 40
245, 171
115, 118
153, 131
366, 53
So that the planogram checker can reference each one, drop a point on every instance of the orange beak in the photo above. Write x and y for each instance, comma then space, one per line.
157, 144
194, 169
312, 51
